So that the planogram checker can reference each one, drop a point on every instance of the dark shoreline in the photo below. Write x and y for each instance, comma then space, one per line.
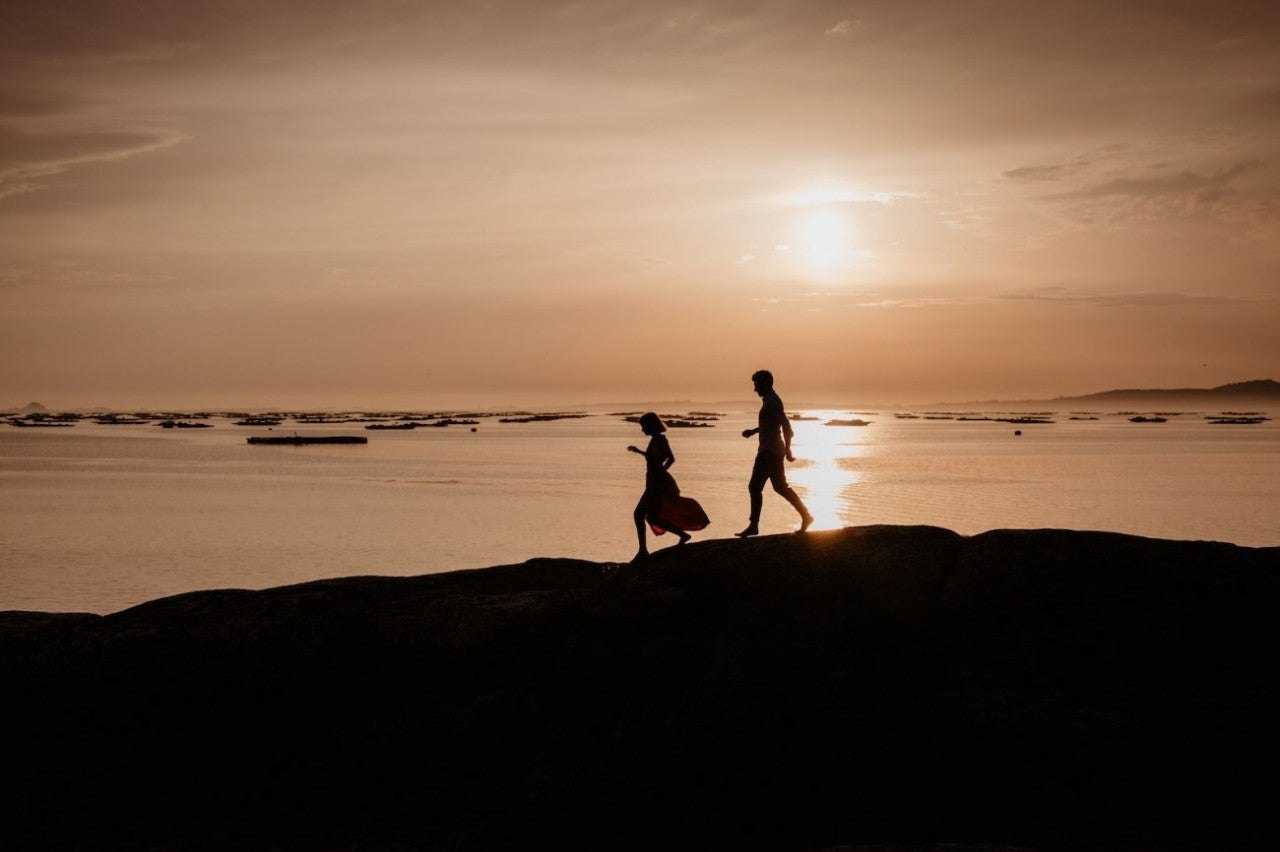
899, 686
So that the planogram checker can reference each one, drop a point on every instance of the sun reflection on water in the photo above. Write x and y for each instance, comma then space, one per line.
826, 471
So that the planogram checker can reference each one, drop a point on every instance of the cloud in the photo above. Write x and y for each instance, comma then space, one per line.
25, 157
1220, 176
1139, 299
821, 196
1186, 184
1039, 173
843, 28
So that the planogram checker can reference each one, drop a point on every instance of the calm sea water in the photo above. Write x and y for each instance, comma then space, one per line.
97, 518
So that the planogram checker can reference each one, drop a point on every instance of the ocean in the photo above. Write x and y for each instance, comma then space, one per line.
100, 517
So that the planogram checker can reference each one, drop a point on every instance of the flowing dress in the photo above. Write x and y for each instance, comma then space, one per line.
662, 498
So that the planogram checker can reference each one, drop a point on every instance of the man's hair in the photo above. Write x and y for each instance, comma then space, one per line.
764, 377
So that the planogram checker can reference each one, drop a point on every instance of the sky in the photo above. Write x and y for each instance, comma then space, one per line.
433, 205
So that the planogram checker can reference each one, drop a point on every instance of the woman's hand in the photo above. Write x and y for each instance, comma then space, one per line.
632, 448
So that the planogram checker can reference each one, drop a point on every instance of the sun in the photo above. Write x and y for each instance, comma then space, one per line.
822, 237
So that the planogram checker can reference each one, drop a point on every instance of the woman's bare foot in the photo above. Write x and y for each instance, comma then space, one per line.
805, 521
684, 536
640, 555
750, 530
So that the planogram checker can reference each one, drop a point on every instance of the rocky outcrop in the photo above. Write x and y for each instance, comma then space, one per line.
892, 687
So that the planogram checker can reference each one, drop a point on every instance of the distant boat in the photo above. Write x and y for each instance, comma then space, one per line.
297, 440
1141, 419
854, 422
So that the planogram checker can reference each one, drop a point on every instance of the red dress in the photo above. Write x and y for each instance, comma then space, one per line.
662, 497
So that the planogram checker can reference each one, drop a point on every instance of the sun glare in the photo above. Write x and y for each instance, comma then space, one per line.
825, 470
821, 238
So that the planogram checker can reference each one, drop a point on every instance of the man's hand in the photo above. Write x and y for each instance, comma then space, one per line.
790, 457
747, 433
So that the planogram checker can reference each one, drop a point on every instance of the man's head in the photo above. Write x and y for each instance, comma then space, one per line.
763, 381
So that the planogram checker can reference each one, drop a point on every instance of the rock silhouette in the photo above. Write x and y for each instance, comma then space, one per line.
884, 686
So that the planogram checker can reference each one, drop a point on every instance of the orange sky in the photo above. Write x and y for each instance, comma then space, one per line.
400, 204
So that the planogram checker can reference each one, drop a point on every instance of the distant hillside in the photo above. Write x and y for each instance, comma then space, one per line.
1255, 392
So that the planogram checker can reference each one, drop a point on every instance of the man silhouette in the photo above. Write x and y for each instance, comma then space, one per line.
775, 446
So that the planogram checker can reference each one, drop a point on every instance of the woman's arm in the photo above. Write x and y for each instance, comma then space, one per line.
662, 447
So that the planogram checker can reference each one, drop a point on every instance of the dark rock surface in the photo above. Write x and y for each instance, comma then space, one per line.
874, 687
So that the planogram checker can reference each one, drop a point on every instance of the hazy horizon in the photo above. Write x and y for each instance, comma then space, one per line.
548, 203
566, 404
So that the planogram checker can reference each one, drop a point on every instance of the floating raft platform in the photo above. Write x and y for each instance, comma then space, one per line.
298, 440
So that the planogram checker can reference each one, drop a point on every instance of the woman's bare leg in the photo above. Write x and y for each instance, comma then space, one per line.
638, 516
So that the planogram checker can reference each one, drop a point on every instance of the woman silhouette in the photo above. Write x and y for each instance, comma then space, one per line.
661, 505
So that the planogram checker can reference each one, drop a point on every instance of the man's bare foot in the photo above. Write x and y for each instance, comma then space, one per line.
805, 522
749, 531
640, 556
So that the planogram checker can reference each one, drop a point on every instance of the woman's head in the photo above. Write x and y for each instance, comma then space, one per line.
651, 424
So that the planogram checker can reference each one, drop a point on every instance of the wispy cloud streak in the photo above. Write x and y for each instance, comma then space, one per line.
26, 157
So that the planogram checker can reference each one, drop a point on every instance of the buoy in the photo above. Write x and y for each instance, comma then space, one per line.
1017, 431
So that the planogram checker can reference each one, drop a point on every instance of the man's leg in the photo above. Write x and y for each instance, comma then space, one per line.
780, 485
755, 487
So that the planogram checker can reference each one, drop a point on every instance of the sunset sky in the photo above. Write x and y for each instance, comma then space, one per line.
430, 204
